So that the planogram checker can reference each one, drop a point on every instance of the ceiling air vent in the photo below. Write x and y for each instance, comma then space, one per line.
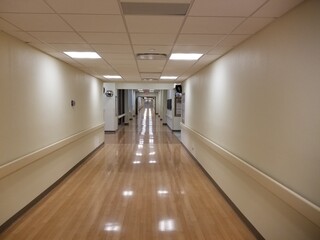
139, 8
151, 56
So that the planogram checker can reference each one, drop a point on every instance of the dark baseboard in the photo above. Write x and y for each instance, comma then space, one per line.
234, 207
126, 123
15, 217
164, 123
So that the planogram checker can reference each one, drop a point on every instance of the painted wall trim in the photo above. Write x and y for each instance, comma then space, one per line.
25, 160
293, 199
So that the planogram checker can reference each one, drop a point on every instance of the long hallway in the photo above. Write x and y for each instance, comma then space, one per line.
142, 184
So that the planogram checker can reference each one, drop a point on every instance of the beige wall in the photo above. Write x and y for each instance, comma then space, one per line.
261, 102
36, 115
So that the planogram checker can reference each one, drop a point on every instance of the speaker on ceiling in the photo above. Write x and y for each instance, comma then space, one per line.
179, 88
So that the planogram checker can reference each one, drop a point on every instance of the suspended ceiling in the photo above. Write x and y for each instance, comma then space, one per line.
118, 30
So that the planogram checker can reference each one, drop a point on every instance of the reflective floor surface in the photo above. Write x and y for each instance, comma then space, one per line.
142, 184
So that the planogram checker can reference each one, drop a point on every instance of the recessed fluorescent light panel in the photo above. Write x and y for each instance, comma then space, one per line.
185, 56
168, 77
112, 76
90, 55
151, 56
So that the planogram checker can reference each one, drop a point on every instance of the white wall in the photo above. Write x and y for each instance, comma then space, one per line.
42, 136
260, 102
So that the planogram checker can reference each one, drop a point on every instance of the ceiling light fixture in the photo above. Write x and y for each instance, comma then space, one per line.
112, 76
168, 77
89, 55
150, 79
185, 56
151, 56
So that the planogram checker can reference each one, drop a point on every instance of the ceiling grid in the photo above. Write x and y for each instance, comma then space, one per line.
119, 30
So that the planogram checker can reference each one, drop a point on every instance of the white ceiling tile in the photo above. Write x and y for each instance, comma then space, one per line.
152, 39
37, 22
59, 55
117, 62
131, 78
24, 6
252, 25
154, 24
70, 61
159, 1
85, 6
63, 47
126, 69
49, 26
187, 74
106, 38
225, 7
7, 27
198, 66
100, 70
276, 8
233, 40
110, 48
191, 49
176, 68
220, 50
25, 37
43, 47
211, 25
95, 23
182, 78
58, 37
118, 56
95, 63
151, 49
151, 65
206, 59
198, 39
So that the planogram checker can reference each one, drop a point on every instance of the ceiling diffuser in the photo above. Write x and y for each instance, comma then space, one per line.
139, 8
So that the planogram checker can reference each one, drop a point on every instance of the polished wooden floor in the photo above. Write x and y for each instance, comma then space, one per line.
141, 185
